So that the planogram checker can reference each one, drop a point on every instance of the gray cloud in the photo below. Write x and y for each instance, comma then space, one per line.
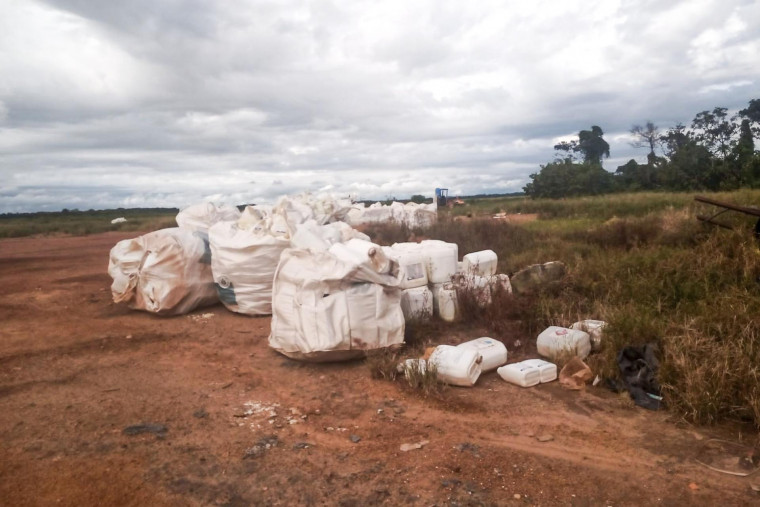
108, 104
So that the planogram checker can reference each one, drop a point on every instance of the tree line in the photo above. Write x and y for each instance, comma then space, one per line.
716, 152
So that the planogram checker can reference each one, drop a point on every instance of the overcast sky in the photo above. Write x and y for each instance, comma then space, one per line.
164, 103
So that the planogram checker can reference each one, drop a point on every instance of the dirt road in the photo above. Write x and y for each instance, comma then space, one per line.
227, 421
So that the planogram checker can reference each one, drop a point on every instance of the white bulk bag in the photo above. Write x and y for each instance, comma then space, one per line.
201, 216
243, 262
329, 309
166, 272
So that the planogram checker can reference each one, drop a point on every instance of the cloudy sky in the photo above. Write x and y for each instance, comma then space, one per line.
165, 103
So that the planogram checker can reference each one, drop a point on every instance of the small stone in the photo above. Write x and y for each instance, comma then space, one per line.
693, 486
517, 496
545, 438
128, 337
355, 438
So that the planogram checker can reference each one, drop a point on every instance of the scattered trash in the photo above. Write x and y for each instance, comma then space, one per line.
594, 328
261, 447
166, 272
202, 317
445, 302
456, 366
693, 486
119, 220
137, 429
728, 457
302, 445
354, 438
493, 353
555, 342
545, 438
575, 374
547, 370
638, 367
596, 381
416, 445
521, 374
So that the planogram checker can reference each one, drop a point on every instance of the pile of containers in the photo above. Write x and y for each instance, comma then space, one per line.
431, 274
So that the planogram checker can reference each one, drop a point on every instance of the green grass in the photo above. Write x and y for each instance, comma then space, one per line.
79, 223
646, 265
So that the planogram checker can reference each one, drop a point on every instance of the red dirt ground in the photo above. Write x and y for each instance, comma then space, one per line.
75, 370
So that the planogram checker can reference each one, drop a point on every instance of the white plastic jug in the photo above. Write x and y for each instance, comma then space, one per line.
446, 299
417, 303
413, 266
521, 374
493, 352
555, 341
441, 260
547, 370
456, 366
481, 263
594, 328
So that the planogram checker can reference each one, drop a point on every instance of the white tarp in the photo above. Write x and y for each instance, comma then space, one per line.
243, 261
329, 309
166, 272
201, 216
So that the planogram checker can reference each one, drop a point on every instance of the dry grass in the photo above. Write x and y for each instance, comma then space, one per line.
644, 264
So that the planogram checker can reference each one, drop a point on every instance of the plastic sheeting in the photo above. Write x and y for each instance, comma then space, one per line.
200, 217
166, 272
330, 309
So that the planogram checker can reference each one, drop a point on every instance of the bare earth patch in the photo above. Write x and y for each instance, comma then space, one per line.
100, 405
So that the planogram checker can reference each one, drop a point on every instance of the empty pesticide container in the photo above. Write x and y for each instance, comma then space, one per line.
413, 267
493, 352
594, 328
547, 370
521, 374
556, 341
445, 302
481, 263
417, 303
441, 260
456, 366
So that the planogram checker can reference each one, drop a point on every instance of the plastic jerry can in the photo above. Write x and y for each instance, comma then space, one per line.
493, 352
521, 374
414, 269
456, 366
547, 370
556, 341
481, 263
445, 298
417, 303
441, 260
594, 328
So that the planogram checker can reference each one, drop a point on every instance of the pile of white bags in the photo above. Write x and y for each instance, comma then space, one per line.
329, 308
166, 272
411, 214
200, 217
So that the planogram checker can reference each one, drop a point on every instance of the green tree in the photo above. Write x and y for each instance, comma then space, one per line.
592, 146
